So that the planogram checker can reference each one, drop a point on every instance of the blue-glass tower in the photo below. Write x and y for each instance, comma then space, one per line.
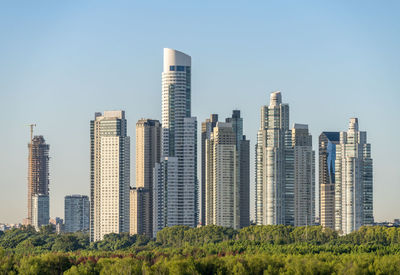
327, 157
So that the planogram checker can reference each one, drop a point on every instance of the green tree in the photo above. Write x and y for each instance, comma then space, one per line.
50, 263
123, 266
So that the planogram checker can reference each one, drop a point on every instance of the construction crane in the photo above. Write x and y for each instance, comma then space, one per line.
32, 125
30, 186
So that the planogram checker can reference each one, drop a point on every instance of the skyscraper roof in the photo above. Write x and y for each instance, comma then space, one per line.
332, 136
275, 98
174, 57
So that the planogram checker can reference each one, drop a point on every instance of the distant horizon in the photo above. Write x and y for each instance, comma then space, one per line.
63, 62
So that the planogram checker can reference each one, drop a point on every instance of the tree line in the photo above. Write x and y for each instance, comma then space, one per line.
271, 249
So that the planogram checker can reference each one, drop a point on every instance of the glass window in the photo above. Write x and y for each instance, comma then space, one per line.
172, 68
180, 68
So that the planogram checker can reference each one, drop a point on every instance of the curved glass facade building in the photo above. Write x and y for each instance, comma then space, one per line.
175, 185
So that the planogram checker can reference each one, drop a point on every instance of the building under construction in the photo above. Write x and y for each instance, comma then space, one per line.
38, 173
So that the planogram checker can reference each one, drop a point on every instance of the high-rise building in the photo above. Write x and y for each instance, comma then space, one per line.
207, 128
177, 185
110, 174
38, 171
40, 210
327, 158
353, 180
274, 165
222, 177
148, 152
138, 198
304, 176
243, 149
225, 169
76, 213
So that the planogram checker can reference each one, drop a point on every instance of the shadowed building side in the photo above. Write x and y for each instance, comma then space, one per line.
243, 149
327, 158
76, 213
148, 153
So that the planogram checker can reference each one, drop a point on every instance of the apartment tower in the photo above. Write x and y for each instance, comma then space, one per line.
353, 180
138, 196
40, 210
243, 149
327, 158
274, 165
110, 174
175, 194
222, 177
304, 176
76, 213
148, 152
207, 128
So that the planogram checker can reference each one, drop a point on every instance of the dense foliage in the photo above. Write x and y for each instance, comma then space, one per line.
205, 250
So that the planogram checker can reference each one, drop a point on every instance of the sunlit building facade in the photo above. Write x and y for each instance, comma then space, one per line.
353, 180
175, 194
40, 210
274, 165
148, 152
304, 176
110, 174
207, 128
222, 177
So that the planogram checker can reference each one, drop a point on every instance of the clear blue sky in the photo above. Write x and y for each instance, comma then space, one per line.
60, 61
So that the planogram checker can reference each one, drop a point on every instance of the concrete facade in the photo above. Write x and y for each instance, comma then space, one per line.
110, 175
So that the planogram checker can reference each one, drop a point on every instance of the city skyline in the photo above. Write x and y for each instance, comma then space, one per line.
364, 86
275, 100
